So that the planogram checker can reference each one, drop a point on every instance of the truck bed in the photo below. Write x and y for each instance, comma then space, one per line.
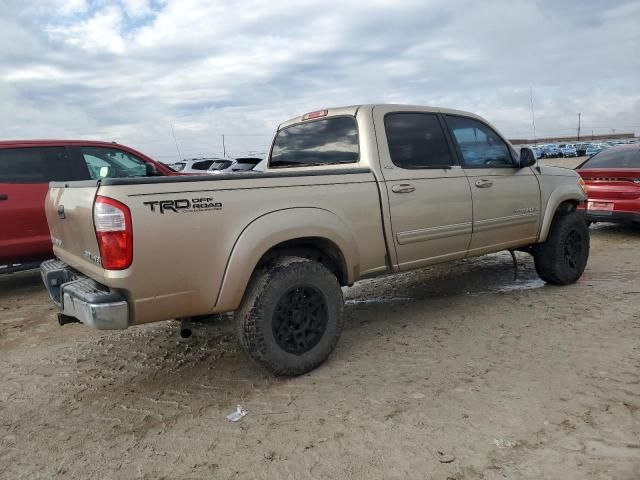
187, 231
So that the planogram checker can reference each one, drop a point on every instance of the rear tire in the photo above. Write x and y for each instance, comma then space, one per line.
291, 316
561, 260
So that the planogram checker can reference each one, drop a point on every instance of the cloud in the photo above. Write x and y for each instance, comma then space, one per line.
129, 69
100, 32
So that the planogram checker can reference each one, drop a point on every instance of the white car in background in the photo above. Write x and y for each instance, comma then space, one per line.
240, 164
215, 165
200, 165
568, 151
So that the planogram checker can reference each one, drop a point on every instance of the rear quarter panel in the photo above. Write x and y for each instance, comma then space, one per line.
180, 258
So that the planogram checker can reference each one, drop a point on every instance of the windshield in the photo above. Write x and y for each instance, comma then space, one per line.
105, 162
614, 158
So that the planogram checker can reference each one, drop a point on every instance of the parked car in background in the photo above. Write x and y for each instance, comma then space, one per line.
581, 149
612, 182
27, 167
550, 151
593, 149
258, 167
568, 151
215, 165
201, 165
241, 164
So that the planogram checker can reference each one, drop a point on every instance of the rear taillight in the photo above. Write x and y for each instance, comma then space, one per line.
582, 185
114, 232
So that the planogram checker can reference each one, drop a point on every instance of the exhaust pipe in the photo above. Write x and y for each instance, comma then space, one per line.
185, 327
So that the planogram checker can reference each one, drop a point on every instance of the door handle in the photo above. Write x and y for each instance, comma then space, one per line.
4, 197
403, 188
483, 183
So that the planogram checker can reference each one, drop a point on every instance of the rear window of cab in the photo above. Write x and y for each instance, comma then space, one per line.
330, 141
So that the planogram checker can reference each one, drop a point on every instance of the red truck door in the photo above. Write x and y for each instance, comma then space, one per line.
25, 174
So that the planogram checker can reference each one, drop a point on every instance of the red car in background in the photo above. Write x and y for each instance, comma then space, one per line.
27, 167
612, 182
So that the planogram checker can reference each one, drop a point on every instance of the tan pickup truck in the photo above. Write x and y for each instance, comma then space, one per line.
347, 193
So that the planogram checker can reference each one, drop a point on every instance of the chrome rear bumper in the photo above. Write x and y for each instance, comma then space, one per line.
80, 297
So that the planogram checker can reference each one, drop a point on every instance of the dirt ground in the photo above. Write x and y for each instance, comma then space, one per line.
453, 372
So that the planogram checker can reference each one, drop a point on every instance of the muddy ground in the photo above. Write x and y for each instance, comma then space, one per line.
454, 372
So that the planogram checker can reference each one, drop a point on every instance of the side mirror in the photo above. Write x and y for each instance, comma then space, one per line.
527, 158
103, 172
152, 170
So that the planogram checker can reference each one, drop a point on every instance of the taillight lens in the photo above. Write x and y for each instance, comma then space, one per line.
114, 232
582, 184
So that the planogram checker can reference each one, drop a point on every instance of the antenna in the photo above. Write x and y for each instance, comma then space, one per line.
176, 141
533, 117
533, 122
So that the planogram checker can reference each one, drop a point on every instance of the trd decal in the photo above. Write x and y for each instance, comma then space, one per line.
184, 205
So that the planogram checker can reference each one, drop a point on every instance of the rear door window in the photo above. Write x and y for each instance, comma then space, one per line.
330, 141
479, 145
35, 165
105, 162
416, 140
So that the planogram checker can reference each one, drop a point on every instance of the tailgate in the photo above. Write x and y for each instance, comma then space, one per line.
69, 211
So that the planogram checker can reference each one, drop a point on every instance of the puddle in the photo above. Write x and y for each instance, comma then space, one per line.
522, 285
377, 301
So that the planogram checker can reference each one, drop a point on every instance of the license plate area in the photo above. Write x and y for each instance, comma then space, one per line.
603, 208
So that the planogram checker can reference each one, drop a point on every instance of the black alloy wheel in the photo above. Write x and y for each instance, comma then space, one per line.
300, 319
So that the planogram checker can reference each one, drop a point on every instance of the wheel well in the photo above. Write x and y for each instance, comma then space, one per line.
567, 206
318, 249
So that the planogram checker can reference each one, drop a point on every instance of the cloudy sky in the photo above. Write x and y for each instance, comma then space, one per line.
131, 70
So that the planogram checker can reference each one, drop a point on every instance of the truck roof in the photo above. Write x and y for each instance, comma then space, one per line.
353, 109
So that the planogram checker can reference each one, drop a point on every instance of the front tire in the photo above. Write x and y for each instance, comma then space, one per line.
561, 260
291, 316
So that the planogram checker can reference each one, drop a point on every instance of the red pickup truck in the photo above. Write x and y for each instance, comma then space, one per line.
27, 167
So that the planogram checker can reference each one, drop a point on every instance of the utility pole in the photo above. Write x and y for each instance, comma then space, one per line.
578, 126
224, 150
